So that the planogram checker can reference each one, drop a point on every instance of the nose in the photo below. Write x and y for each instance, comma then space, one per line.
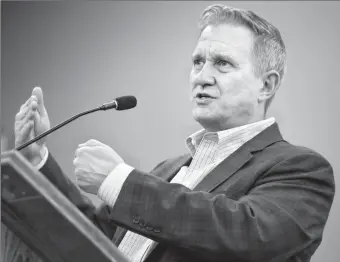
204, 77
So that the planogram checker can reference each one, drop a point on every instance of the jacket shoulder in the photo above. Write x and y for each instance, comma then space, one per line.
286, 150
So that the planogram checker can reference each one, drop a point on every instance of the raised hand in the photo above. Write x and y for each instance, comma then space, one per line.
32, 120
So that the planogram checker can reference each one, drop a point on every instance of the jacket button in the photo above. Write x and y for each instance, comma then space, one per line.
136, 220
150, 228
156, 230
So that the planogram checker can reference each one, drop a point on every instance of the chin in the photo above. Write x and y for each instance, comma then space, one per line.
203, 118
204, 113
212, 121
200, 113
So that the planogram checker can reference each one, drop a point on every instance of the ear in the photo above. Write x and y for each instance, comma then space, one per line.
271, 82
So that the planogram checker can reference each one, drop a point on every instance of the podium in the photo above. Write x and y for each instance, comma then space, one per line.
28, 200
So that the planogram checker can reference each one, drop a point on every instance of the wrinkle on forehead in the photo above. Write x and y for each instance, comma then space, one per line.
230, 40
210, 49
215, 48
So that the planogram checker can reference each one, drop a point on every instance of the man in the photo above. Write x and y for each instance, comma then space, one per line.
242, 194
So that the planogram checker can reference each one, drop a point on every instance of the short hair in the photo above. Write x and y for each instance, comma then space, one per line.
269, 51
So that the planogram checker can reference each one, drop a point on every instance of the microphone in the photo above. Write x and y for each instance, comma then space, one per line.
120, 103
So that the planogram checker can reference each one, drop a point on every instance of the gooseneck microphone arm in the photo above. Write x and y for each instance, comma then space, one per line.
56, 127
121, 103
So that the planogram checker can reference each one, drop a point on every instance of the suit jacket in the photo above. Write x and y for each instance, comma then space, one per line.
267, 202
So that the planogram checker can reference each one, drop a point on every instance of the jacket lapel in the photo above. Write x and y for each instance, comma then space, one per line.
239, 158
172, 167
224, 170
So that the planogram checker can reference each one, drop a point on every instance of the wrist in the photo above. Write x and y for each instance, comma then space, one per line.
38, 158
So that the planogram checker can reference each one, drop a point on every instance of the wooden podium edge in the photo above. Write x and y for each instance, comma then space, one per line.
71, 212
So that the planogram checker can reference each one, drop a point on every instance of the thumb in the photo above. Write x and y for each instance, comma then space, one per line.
37, 92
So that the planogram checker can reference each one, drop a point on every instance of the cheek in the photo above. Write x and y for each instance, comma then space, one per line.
239, 87
239, 95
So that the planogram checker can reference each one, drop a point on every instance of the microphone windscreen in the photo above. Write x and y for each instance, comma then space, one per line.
126, 102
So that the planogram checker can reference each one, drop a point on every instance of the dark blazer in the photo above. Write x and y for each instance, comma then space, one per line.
267, 202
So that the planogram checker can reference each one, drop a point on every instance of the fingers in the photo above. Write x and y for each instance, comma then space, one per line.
30, 105
83, 178
27, 129
25, 121
25, 104
37, 92
81, 160
91, 142
76, 162
29, 118
27, 115
89, 145
35, 116
79, 173
25, 132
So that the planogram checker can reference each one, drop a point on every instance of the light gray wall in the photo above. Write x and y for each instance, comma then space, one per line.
86, 53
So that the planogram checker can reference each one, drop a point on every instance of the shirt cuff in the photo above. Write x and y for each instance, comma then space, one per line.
43, 161
113, 183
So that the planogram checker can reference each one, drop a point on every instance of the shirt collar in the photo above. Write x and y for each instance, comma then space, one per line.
193, 141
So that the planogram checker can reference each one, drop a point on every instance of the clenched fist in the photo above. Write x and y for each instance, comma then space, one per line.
31, 121
93, 162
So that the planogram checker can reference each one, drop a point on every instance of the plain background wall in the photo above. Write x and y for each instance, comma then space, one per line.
86, 53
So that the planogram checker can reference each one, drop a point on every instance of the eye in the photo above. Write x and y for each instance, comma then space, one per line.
222, 63
198, 62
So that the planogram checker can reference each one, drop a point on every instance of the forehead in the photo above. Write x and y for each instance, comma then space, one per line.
230, 39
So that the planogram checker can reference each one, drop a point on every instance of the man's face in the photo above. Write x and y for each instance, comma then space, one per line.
224, 88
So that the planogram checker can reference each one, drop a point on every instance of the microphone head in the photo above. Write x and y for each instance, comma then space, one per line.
125, 102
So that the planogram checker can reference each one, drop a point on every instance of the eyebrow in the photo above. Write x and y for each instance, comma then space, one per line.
223, 56
215, 55
197, 55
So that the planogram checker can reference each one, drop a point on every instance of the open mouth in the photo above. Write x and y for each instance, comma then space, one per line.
203, 95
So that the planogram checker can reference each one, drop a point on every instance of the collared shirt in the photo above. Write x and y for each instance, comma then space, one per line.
208, 149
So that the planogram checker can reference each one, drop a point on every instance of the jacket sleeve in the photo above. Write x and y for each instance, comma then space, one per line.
284, 212
99, 217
